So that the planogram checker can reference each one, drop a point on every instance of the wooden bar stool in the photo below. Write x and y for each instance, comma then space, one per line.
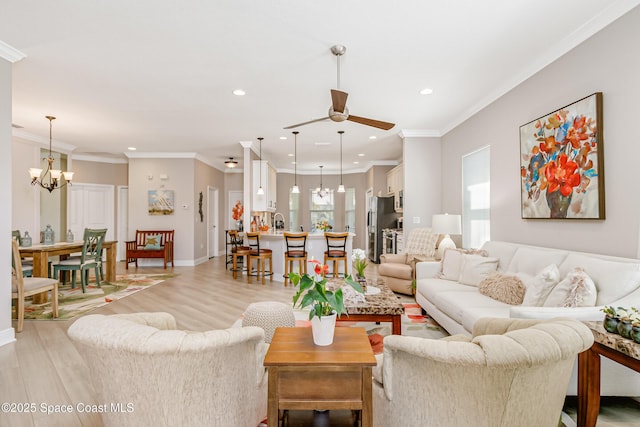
259, 254
296, 252
237, 250
336, 251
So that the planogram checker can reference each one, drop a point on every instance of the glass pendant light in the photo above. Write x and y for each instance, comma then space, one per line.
295, 189
260, 191
341, 187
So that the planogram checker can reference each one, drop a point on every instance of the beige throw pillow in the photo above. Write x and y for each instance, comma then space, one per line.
575, 290
505, 288
452, 261
474, 268
539, 286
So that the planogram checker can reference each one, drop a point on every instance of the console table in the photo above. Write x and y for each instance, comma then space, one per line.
613, 346
305, 376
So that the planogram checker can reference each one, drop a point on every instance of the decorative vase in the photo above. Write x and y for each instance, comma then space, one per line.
362, 281
26, 240
558, 204
323, 329
49, 235
70, 238
624, 327
635, 334
610, 323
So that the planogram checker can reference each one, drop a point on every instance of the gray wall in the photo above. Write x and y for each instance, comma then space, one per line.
608, 63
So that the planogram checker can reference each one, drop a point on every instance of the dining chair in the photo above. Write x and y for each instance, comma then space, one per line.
296, 244
259, 254
22, 287
91, 258
336, 251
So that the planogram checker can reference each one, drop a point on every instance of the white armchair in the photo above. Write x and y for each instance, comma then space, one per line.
511, 372
172, 377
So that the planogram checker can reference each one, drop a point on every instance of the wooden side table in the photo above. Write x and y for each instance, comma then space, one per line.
612, 346
304, 376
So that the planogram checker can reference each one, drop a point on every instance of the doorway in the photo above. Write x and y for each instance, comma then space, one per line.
212, 221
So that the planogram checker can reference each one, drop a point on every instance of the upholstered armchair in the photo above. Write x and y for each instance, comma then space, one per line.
168, 377
398, 270
511, 372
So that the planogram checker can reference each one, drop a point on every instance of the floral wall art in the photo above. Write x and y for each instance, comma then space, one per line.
562, 163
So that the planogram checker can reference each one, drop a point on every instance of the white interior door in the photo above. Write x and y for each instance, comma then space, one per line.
91, 206
123, 221
212, 222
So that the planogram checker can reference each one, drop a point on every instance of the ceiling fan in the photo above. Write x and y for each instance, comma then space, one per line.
338, 112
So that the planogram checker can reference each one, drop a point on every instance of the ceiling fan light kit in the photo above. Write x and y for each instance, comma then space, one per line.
338, 112
231, 163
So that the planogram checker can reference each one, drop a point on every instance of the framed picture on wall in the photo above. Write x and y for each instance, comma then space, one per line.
562, 163
160, 202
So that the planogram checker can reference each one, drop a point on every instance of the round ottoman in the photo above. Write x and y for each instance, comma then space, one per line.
269, 315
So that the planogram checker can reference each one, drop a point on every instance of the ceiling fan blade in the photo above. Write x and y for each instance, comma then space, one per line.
306, 123
339, 100
370, 122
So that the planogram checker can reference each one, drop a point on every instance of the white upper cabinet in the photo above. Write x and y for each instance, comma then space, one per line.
265, 176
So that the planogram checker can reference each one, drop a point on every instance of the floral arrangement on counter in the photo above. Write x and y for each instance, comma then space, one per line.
623, 321
237, 211
359, 258
323, 225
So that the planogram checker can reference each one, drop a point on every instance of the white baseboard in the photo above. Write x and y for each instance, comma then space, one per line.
7, 336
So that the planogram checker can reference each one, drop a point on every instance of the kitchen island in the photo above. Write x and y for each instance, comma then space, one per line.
316, 245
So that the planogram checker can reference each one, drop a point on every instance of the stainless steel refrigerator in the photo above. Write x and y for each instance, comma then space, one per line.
379, 217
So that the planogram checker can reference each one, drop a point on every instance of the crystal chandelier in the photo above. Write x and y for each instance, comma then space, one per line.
51, 178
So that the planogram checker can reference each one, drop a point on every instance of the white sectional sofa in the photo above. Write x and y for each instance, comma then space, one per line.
457, 306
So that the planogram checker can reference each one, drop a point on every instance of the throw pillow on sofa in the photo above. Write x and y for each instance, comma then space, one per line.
575, 290
474, 268
539, 286
505, 288
452, 261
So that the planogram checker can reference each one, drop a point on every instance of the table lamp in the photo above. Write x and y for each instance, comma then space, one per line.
446, 224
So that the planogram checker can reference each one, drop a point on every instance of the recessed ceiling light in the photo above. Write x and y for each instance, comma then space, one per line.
373, 137
283, 138
360, 154
290, 154
131, 148
355, 163
426, 91
323, 143
239, 92
293, 163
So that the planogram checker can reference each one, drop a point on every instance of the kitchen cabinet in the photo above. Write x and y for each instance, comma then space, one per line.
265, 175
395, 186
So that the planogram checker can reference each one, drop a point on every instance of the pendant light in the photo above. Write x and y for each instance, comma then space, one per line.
295, 189
51, 178
341, 187
321, 190
260, 191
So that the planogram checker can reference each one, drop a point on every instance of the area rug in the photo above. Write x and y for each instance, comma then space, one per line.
73, 302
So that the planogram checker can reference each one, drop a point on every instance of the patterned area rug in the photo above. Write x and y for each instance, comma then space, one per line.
73, 303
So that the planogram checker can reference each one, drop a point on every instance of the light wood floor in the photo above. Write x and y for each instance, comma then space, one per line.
44, 367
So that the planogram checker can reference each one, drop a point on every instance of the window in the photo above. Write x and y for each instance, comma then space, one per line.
294, 211
476, 200
321, 209
350, 208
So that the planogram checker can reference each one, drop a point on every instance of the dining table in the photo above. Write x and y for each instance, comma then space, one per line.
41, 254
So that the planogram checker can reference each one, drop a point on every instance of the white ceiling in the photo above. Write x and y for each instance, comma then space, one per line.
159, 74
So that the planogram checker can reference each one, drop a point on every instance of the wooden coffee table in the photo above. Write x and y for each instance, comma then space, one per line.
383, 307
303, 376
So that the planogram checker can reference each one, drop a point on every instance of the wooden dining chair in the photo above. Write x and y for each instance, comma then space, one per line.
259, 254
22, 287
336, 251
296, 244
91, 258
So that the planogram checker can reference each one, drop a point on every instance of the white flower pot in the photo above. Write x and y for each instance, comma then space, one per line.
323, 328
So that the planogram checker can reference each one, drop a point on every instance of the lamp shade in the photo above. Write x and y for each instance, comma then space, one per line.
446, 224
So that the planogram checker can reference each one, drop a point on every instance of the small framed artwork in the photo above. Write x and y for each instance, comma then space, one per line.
562, 163
160, 202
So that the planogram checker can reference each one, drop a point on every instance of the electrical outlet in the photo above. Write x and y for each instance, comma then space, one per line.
416, 220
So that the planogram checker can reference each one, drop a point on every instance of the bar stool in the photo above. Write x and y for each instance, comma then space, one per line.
336, 250
261, 255
237, 251
296, 252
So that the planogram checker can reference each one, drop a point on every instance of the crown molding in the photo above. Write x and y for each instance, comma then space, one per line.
556, 50
55, 144
420, 133
98, 159
160, 155
10, 53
